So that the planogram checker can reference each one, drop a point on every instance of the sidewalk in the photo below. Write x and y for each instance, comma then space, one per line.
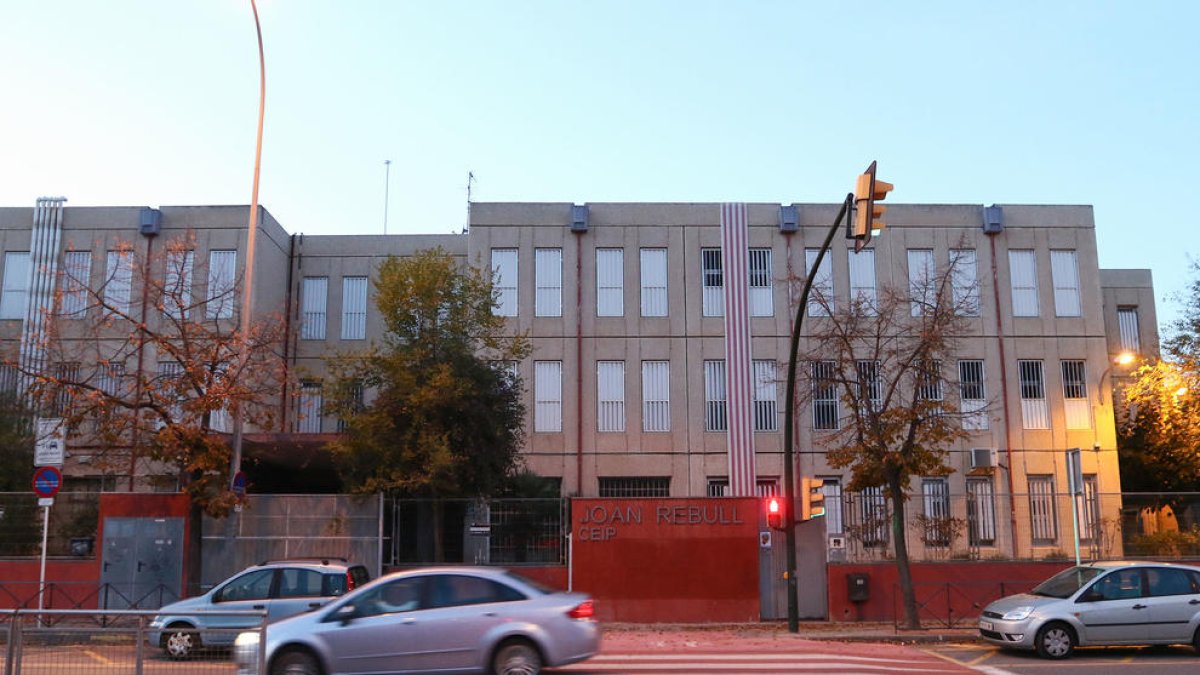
674, 637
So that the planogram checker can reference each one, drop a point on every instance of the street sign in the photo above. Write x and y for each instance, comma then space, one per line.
49, 447
1074, 472
46, 481
239, 484
45, 501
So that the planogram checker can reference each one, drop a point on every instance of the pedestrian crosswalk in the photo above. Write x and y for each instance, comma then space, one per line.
773, 663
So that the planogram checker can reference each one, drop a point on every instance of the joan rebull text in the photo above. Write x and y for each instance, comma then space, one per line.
600, 522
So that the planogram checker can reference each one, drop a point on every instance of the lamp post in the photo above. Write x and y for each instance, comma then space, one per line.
251, 236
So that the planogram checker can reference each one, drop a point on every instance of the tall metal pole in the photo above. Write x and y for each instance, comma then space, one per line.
789, 473
251, 236
387, 186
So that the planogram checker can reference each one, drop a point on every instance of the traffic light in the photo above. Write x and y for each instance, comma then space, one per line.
774, 514
812, 498
867, 191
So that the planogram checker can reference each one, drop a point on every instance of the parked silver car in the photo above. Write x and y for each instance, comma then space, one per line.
281, 588
1104, 603
444, 620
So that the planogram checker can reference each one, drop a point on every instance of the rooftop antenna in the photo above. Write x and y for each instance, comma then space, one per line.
470, 180
387, 184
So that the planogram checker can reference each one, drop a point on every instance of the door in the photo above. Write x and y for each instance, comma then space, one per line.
142, 562
299, 591
1114, 610
1174, 600
249, 591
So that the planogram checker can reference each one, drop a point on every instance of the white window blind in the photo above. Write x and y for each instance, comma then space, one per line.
15, 296
716, 415
832, 489
862, 281
1042, 515
964, 281
610, 396
610, 282
822, 287
654, 281
547, 270
766, 413
118, 284
656, 396
177, 292
981, 512
76, 275
972, 392
547, 391
314, 296
1022, 268
824, 395
1064, 269
311, 400
1075, 402
222, 268
1034, 411
1127, 323
504, 280
921, 278
712, 280
354, 308
761, 301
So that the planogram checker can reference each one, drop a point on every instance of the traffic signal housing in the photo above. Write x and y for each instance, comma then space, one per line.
774, 513
812, 498
868, 190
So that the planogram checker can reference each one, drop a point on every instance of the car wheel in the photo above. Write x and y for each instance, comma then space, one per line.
181, 641
1196, 640
1055, 641
296, 663
517, 658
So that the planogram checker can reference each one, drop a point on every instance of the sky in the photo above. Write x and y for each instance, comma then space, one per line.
155, 103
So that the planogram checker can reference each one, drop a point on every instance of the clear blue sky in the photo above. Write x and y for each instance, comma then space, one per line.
154, 102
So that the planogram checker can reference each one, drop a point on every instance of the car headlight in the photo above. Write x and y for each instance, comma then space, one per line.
156, 622
246, 640
1018, 613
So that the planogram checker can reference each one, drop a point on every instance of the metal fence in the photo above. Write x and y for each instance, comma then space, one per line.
478, 532
89, 642
73, 524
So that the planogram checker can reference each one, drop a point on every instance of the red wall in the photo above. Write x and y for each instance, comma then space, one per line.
69, 583
666, 560
944, 590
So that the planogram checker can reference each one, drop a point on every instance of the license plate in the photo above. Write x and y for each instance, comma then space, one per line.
986, 625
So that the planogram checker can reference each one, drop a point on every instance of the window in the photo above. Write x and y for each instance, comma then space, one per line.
110, 378
870, 387
547, 271
1127, 324
922, 275
763, 487
1120, 585
504, 280
824, 395
712, 280
354, 308
298, 583
935, 494
610, 396
716, 411
634, 487
547, 391
656, 396
873, 520
77, 273
457, 590
222, 267
972, 393
832, 489
1034, 411
1089, 510
310, 410
1164, 581
254, 585
929, 385
820, 297
964, 281
654, 282
1042, 515
313, 296
766, 417
862, 281
15, 295
66, 372
8, 378
1075, 403
1022, 267
401, 595
761, 301
1064, 270
168, 385
177, 292
119, 281
356, 402
610, 282
981, 512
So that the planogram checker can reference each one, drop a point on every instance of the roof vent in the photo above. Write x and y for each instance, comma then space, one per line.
150, 222
789, 219
993, 219
579, 218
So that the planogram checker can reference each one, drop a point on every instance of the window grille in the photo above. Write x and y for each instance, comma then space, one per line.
357, 404
66, 372
1042, 511
14, 299
354, 308
110, 378
766, 417
1064, 269
504, 281
873, 521
964, 281
610, 396
654, 281
1075, 402
1089, 511
177, 291
168, 386
712, 280
1034, 410
935, 494
656, 396
761, 301
547, 270
981, 512
972, 392
820, 296
1022, 268
824, 395
832, 489
929, 384
862, 281
119, 281
314, 296
921, 279
222, 269
715, 404
8, 379
763, 487
1127, 323
547, 390
635, 487
610, 282
870, 386
77, 272
310, 408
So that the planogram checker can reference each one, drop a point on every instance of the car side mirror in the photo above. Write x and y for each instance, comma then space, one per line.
345, 614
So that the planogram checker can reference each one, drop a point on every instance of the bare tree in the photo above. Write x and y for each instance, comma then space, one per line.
885, 359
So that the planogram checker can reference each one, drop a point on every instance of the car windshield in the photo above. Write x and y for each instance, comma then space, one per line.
1067, 582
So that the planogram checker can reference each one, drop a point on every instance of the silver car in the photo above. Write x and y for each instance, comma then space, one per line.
1104, 603
280, 588
436, 620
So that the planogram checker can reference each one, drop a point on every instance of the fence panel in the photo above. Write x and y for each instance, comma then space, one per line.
477, 532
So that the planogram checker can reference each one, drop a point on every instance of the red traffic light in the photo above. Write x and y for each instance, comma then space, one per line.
774, 514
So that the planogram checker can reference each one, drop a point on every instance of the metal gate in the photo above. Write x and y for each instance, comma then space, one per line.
811, 574
142, 563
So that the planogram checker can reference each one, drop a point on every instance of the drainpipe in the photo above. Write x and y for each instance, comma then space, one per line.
287, 332
141, 355
579, 362
1008, 456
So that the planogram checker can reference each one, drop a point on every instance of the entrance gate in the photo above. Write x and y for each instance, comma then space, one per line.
142, 563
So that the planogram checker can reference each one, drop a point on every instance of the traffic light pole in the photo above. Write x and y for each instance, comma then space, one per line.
789, 471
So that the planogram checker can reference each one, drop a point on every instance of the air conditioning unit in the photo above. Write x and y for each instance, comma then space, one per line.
149, 221
579, 218
983, 458
993, 219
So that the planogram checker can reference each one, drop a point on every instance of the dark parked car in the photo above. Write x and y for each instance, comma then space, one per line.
443, 620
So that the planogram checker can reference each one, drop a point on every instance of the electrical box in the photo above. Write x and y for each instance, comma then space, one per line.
579, 218
993, 219
857, 588
150, 222
789, 219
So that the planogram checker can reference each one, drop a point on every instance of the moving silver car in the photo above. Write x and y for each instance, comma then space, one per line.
443, 620
1104, 603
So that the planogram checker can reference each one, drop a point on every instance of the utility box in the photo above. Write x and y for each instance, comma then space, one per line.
857, 588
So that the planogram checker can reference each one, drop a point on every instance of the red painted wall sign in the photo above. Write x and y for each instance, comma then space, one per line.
662, 560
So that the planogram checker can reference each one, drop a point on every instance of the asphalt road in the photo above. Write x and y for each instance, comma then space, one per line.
1089, 660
